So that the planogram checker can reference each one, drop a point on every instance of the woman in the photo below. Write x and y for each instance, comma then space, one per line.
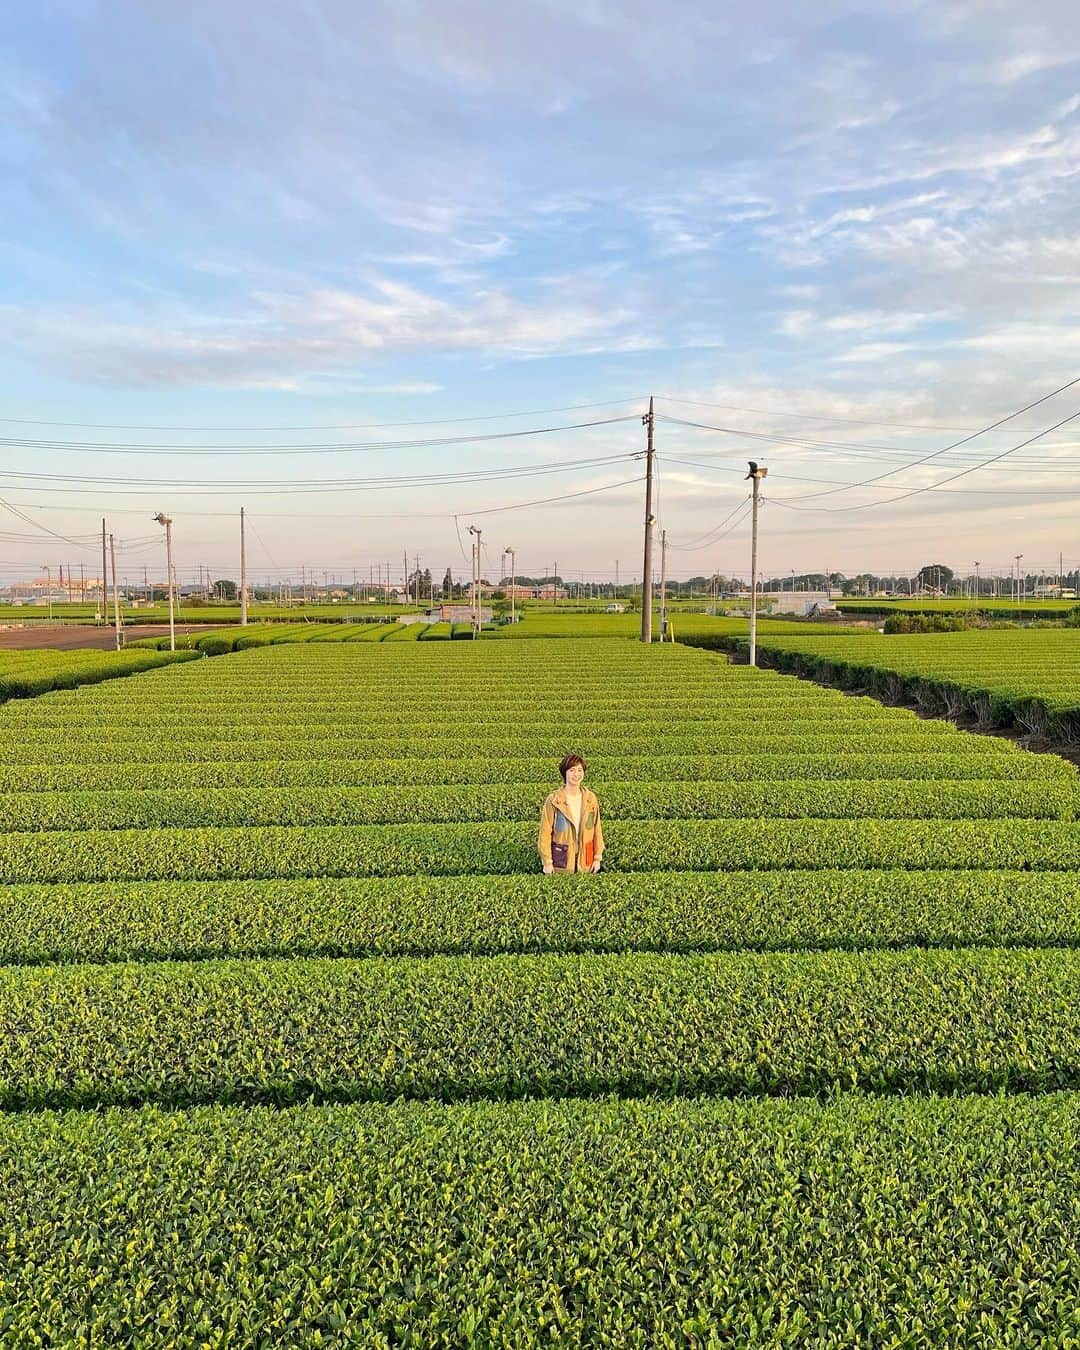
571, 839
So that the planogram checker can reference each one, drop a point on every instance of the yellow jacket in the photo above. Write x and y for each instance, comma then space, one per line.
561, 846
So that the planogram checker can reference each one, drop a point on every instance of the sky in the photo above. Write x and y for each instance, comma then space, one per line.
252, 254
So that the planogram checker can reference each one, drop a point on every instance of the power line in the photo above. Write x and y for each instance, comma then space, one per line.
147, 486
340, 426
933, 487
807, 417
707, 540
423, 443
829, 492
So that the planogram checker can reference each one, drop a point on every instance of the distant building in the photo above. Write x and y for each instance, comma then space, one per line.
798, 603
459, 614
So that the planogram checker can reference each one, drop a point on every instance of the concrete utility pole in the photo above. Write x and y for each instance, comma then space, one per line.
166, 521
48, 574
243, 573
978, 591
104, 573
1018, 556
650, 522
663, 585
757, 475
513, 571
473, 529
555, 586
116, 596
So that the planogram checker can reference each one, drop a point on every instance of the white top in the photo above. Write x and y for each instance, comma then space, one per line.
573, 810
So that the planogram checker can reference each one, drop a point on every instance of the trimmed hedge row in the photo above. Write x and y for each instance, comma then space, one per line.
1029, 679
924, 767
645, 911
27, 674
866, 1221
459, 803
450, 850
514, 1026
134, 748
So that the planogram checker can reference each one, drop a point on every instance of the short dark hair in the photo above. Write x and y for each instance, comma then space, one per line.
567, 763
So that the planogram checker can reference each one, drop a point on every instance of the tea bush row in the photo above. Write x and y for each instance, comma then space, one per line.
553, 1025
924, 767
484, 915
838, 799
450, 850
863, 1221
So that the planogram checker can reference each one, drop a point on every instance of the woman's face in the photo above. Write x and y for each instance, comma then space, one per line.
574, 774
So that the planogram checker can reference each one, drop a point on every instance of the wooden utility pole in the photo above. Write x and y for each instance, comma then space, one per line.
650, 521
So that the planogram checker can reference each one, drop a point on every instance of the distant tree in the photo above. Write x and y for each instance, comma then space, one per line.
226, 589
448, 586
936, 575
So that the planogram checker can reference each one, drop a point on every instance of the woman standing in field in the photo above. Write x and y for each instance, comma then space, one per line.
571, 839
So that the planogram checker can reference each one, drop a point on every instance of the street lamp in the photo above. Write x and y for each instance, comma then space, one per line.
473, 529
513, 571
166, 521
757, 475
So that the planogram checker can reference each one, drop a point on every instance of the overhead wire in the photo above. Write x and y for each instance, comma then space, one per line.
151, 486
233, 448
993, 459
717, 532
933, 487
332, 426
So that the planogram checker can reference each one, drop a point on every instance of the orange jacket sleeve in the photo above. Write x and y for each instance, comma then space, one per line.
598, 837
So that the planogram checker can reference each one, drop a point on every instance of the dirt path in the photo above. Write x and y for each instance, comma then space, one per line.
73, 637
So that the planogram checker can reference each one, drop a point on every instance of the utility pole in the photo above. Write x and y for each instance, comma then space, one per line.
165, 520
513, 570
104, 573
48, 584
476, 580
1018, 556
555, 585
978, 590
663, 585
82, 582
757, 475
116, 595
650, 521
243, 573
616, 595
416, 574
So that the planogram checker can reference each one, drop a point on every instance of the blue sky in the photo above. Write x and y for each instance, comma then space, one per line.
318, 215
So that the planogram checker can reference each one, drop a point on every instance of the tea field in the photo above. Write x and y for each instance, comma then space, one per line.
24, 674
298, 1046
1029, 679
